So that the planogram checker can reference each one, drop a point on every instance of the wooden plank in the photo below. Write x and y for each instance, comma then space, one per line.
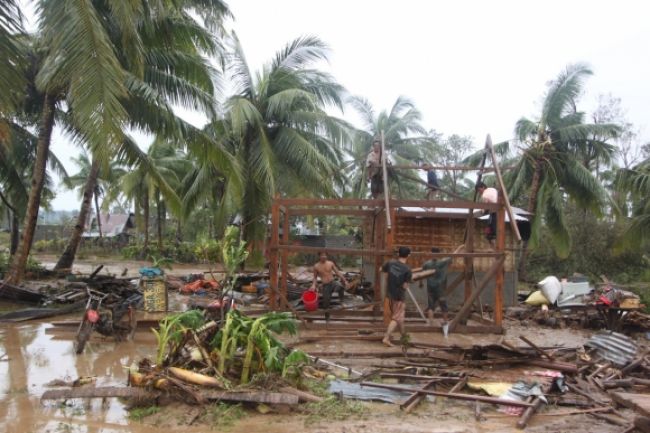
331, 211
369, 203
286, 229
499, 277
640, 403
273, 254
467, 307
378, 252
415, 398
99, 392
385, 179
440, 167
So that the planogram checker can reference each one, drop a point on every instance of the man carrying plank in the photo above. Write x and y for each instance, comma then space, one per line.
398, 278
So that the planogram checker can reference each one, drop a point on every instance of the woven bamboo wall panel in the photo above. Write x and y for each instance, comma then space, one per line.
420, 234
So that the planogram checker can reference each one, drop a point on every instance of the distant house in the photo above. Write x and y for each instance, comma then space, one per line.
113, 226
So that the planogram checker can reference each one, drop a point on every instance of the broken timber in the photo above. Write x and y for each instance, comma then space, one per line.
133, 392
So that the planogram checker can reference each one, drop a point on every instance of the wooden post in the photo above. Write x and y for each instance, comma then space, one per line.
501, 247
273, 256
285, 260
386, 185
467, 306
469, 261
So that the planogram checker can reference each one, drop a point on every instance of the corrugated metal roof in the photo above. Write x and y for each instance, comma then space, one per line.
617, 348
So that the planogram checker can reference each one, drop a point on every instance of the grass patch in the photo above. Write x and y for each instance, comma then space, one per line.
223, 415
140, 413
334, 409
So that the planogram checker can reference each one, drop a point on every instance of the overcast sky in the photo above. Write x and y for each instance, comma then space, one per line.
471, 67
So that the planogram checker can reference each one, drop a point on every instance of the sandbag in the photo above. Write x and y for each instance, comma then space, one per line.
551, 288
536, 298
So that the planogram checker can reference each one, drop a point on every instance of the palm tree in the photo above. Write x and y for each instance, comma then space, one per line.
277, 127
636, 182
80, 66
153, 182
11, 68
17, 155
550, 169
405, 137
118, 66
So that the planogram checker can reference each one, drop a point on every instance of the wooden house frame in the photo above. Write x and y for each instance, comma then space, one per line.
385, 216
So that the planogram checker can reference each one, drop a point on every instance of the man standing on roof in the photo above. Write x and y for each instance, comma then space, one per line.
398, 278
374, 170
436, 285
325, 269
489, 195
432, 181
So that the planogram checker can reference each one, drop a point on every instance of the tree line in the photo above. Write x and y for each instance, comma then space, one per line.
101, 69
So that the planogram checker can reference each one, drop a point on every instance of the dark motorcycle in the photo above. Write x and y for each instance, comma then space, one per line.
111, 319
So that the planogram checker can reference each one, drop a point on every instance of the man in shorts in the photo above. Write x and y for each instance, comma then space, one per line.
436, 285
326, 269
398, 277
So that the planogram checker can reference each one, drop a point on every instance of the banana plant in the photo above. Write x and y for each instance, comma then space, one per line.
170, 331
262, 342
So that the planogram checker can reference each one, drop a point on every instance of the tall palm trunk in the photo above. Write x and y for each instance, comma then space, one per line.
15, 233
179, 231
19, 262
12, 218
145, 225
67, 258
159, 219
99, 216
532, 204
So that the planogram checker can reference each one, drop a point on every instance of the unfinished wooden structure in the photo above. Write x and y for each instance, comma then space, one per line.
388, 224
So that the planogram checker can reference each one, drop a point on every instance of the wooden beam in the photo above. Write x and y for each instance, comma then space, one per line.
468, 261
439, 167
369, 203
285, 261
385, 179
467, 306
499, 278
273, 253
331, 211
380, 252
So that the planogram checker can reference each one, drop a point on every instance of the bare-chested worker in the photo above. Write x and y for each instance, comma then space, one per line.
325, 269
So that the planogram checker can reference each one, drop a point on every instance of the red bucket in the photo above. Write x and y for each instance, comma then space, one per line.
310, 299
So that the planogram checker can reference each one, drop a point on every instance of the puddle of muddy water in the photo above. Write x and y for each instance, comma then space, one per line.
35, 358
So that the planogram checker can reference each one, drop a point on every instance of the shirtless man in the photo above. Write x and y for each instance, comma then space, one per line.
325, 269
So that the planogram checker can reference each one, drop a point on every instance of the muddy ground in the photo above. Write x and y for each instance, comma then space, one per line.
36, 354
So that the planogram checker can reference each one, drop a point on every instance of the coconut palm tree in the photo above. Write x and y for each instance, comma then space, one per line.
276, 125
549, 170
110, 63
405, 138
11, 68
636, 182
17, 156
154, 182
